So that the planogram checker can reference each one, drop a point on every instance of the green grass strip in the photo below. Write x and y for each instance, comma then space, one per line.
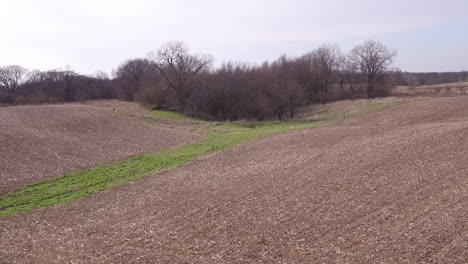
72, 186
171, 115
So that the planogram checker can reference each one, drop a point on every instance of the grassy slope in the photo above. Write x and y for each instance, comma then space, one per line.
84, 183
172, 115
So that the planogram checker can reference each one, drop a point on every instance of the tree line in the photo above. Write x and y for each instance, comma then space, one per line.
20, 86
173, 78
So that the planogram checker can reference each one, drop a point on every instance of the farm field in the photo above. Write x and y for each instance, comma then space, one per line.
273, 133
44, 142
384, 186
217, 136
448, 89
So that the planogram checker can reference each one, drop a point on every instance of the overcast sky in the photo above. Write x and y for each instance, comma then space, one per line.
91, 35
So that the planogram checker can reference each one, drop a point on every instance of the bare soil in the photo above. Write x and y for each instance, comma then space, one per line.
391, 187
43, 142
446, 89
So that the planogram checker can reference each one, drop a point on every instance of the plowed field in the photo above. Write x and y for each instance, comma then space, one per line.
390, 187
43, 142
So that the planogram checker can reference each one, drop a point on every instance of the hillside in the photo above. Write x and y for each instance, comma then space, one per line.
43, 142
388, 187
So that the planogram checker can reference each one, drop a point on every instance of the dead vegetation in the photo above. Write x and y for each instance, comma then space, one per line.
439, 90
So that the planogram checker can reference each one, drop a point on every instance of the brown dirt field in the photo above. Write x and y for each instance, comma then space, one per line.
391, 187
43, 142
448, 89
342, 108
135, 110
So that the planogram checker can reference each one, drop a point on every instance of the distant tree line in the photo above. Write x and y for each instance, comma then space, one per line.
431, 78
20, 86
173, 78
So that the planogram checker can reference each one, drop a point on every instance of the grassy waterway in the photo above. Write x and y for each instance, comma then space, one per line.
72, 186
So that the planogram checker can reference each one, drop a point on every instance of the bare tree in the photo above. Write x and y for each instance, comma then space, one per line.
100, 75
179, 67
102, 85
308, 77
349, 78
11, 77
130, 76
326, 61
374, 60
287, 93
464, 76
411, 80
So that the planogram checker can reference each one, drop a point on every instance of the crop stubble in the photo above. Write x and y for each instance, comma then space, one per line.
389, 187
